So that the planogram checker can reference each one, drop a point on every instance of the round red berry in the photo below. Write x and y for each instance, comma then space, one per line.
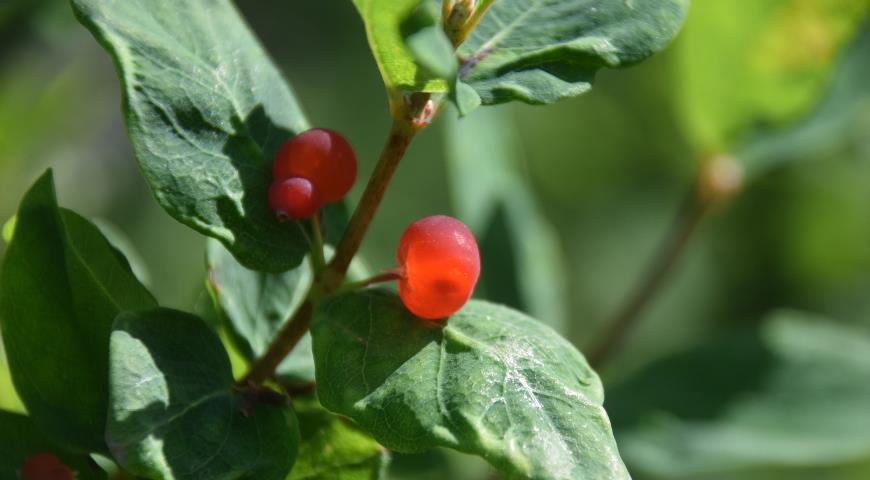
45, 466
441, 265
293, 198
322, 156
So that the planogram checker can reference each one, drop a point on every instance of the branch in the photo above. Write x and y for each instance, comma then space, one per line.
718, 180
408, 119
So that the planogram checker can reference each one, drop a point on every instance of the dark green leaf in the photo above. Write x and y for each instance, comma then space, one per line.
490, 381
63, 285
538, 52
21, 440
206, 111
383, 20
522, 263
173, 414
810, 408
333, 449
255, 305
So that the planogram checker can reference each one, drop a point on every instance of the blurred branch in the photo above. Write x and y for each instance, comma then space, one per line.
718, 180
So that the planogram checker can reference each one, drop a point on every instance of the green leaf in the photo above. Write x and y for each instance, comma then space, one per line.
741, 65
21, 440
62, 286
840, 121
206, 111
255, 305
522, 260
383, 20
808, 410
9, 229
332, 448
538, 52
490, 381
173, 413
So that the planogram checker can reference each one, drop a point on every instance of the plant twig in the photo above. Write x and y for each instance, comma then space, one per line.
405, 126
287, 338
670, 250
718, 180
406, 123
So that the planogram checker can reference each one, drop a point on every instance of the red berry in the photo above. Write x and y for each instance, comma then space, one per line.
322, 156
441, 265
45, 466
293, 198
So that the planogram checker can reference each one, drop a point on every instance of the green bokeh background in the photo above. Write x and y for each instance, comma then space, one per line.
609, 169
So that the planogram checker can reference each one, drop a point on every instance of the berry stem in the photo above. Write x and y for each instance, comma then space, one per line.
387, 276
403, 130
318, 261
406, 124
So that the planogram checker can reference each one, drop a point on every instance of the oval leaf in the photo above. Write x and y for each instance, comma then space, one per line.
62, 286
538, 52
807, 406
173, 414
206, 111
490, 381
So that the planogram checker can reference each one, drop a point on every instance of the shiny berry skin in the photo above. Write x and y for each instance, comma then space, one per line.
45, 466
293, 198
322, 156
441, 265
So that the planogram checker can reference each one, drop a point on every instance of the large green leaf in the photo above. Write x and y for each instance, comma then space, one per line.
21, 440
333, 449
173, 413
490, 381
840, 121
255, 305
750, 63
541, 51
522, 260
62, 286
802, 404
401, 71
206, 111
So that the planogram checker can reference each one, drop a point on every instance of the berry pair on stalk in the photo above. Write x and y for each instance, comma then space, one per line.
439, 262
312, 168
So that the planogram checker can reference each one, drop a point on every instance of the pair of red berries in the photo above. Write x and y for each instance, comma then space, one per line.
312, 168
438, 256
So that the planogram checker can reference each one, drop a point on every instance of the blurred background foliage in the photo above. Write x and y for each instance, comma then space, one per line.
569, 202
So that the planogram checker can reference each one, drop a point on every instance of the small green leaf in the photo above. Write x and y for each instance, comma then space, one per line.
522, 261
401, 72
538, 52
21, 440
62, 286
332, 448
757, 63
255, 305
489, 381
9, 229
172, 411
206, 112
808, 407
